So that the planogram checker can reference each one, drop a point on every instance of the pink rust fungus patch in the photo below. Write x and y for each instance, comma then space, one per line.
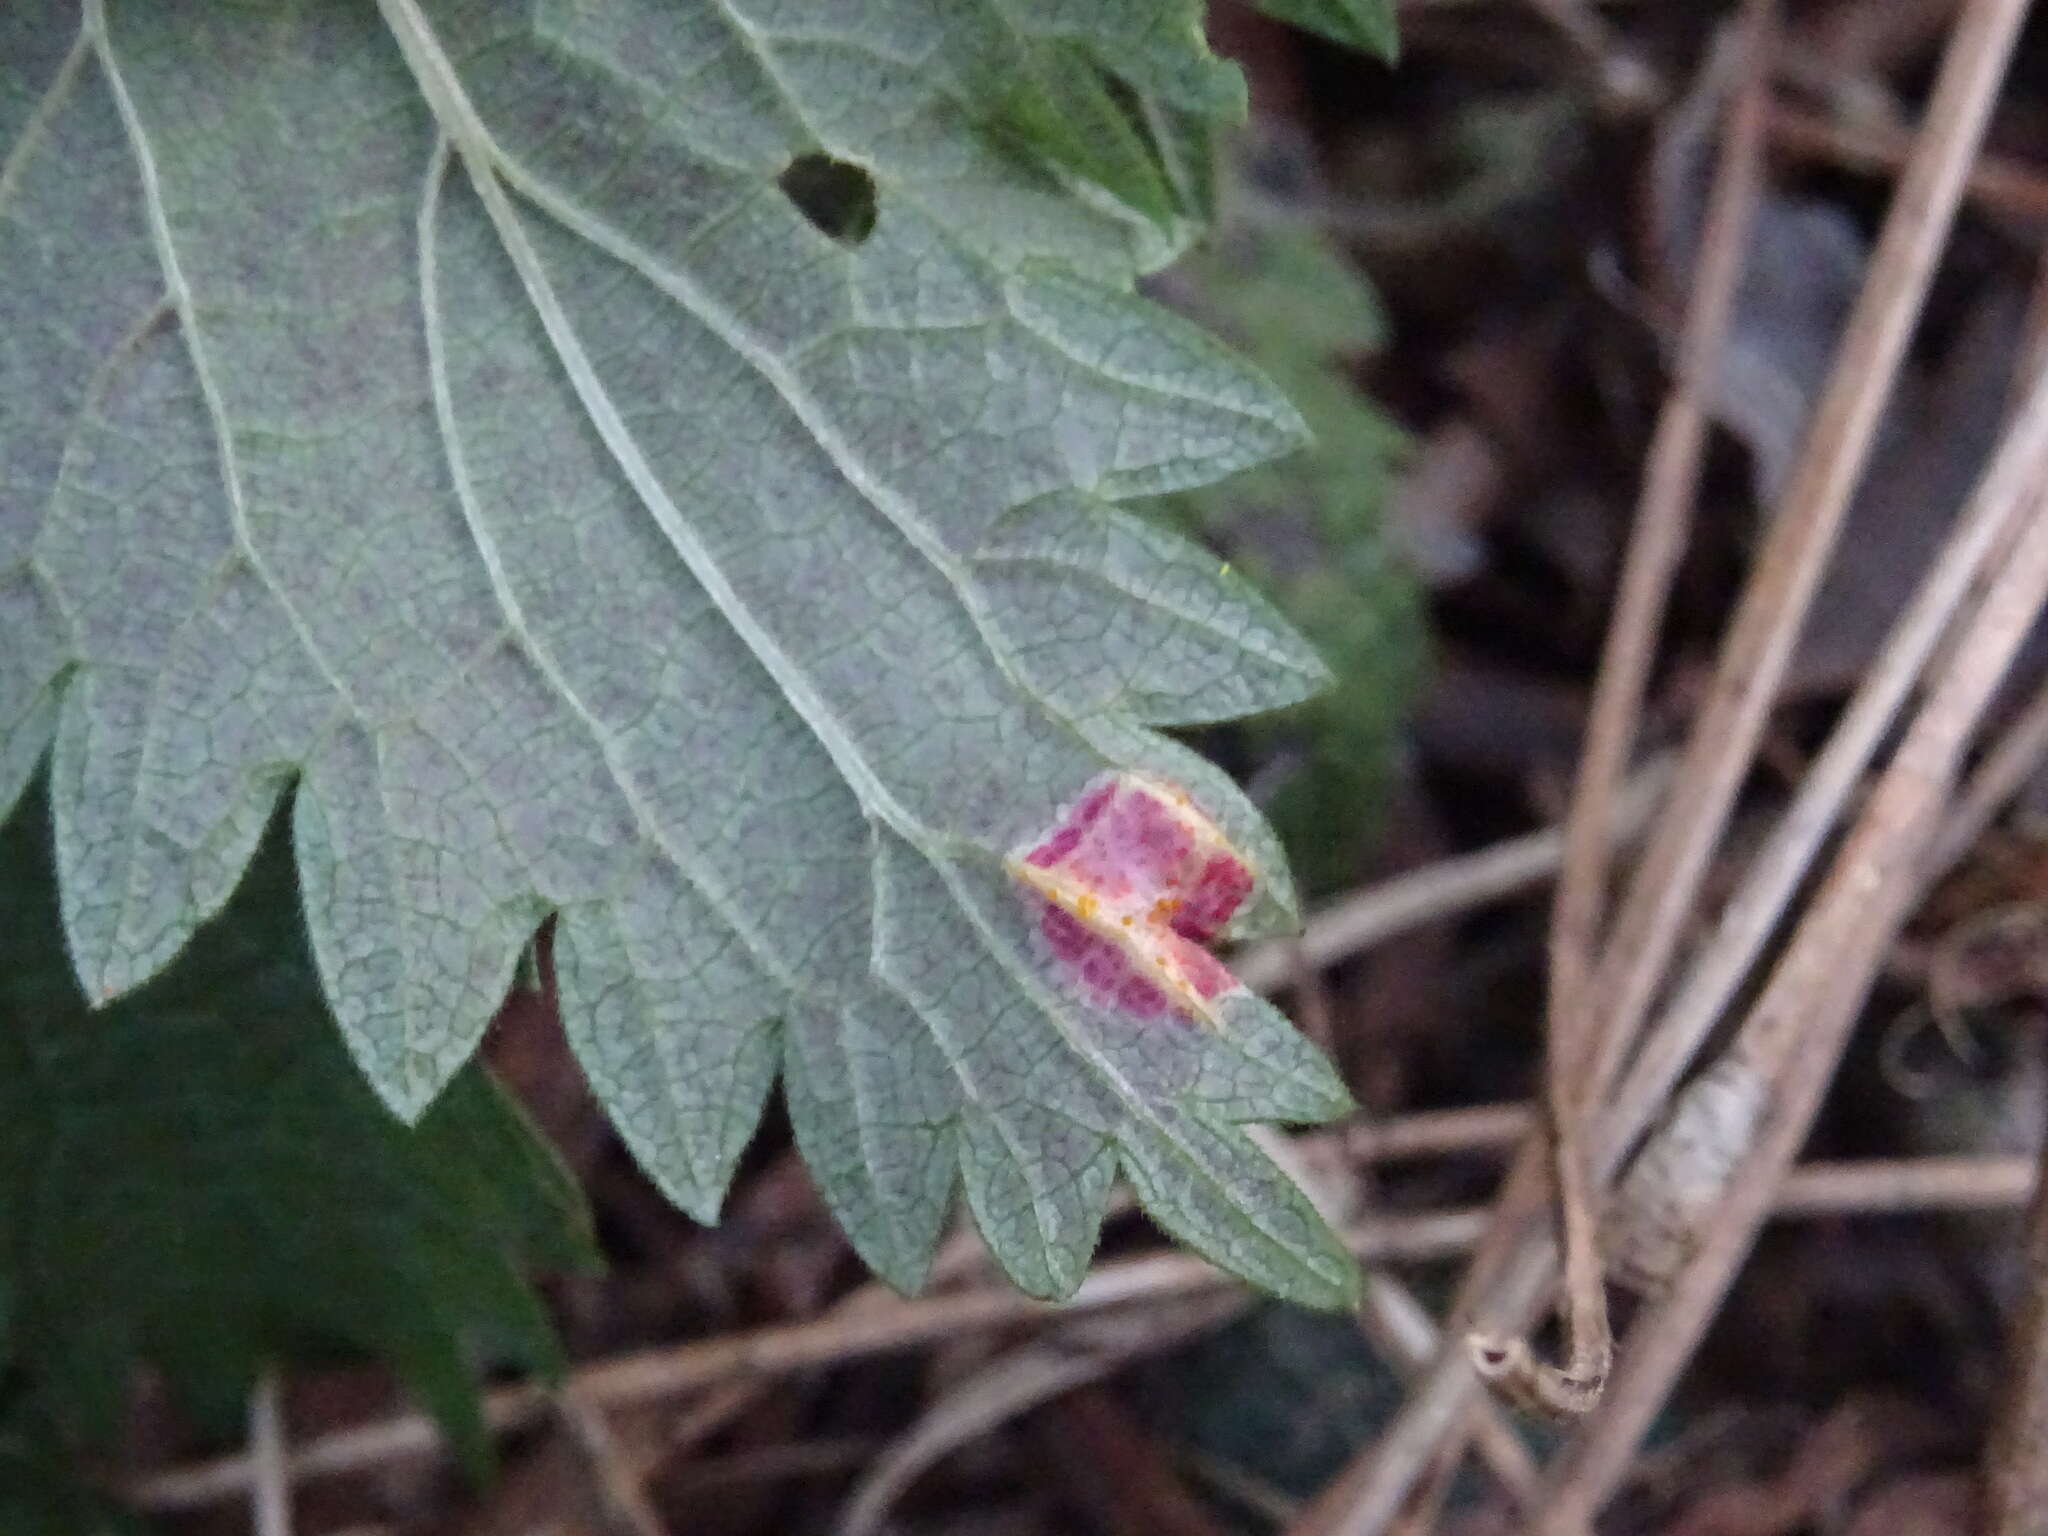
1130, 885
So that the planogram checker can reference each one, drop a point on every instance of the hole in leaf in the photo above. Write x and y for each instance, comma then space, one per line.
836, 196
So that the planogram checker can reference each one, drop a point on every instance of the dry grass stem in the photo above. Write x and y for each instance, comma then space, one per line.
1436, 1133
898, 1323
1661, 529
2016, 1457
1393, 1321
1014, 1383
1995, 183
1443, 889
1404, 1333
1663, 521
846, 1333
1997, 511
709, 1414
1626, 84
1752, 913
1007, 1387
1792, 1037
2013, 759
1803, 531
1959, 1183
270, 1486
615, 1485
1370, 1494
835, 1458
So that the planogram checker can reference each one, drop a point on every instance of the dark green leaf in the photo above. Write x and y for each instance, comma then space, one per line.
196, 1175
1308, 529
42, 1492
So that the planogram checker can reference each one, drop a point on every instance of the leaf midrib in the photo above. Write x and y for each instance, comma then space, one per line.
444, 91
487, 164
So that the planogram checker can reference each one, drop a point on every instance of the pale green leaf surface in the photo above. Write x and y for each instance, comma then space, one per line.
1189, 640
444, 407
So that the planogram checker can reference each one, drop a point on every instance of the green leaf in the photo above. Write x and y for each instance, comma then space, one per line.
42, 1490
1309, 529
1367, 24
592, 447
196, 1175
1189, 640
1072, 116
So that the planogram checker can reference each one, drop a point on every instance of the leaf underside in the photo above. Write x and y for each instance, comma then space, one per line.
445, 407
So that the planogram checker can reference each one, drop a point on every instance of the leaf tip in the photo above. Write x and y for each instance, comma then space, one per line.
406, 1091
1330, 1099
107, 974
702, 1201
904, 1272
1338, 1288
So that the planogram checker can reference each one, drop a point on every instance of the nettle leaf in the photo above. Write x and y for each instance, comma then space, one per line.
653, 463
198, 1176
